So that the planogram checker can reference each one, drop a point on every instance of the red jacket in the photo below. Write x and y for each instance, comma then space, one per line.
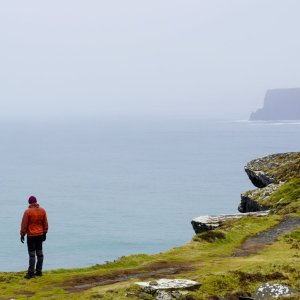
34, 221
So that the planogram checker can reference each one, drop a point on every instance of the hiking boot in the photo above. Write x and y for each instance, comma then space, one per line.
29, 275
38, 273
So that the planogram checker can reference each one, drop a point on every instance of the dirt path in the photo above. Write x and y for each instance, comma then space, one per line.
254, 244
153, 270
250, 246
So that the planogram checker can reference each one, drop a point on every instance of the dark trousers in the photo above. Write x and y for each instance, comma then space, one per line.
35, 249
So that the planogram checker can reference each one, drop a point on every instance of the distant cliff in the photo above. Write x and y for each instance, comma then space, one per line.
279, 104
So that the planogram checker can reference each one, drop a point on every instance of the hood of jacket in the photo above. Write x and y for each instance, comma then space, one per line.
33, 205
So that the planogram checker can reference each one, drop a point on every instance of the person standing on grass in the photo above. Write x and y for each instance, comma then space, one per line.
35, 225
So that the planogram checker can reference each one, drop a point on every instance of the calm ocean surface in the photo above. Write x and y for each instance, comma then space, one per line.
116, 188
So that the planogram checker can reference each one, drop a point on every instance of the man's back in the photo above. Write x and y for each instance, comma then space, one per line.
34, 221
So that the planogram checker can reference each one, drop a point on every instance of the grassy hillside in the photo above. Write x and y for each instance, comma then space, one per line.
209, 261
209, 258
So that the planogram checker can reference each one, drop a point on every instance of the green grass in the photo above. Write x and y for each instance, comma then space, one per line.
205, 258
287, 198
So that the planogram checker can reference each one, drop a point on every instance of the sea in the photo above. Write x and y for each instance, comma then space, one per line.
117, 187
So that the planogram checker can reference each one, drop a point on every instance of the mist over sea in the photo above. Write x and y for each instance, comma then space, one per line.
113, 188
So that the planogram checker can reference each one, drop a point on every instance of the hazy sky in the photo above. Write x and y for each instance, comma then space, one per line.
89, 58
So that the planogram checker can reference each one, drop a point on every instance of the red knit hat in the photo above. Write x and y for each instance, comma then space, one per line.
32, 199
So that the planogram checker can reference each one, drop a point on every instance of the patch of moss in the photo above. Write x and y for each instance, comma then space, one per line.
293, 239
286, 199
295, 235
247, 278
283, 166
209, 236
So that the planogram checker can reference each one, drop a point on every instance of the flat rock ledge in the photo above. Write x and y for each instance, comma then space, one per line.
167, 289
205, 223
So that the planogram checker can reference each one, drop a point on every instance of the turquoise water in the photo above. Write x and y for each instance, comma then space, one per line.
121, 187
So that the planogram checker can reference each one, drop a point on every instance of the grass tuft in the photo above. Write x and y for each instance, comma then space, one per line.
209, 236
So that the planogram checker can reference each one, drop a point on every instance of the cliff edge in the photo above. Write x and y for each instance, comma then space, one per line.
277, 178
279, 104
277, 181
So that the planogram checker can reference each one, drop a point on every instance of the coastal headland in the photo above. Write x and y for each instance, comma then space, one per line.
230, 257
279, 104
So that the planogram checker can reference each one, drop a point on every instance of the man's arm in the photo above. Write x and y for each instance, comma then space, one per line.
24, 224
45, 223
45, 227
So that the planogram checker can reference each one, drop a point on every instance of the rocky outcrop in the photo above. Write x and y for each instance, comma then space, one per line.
268, 174
259, 178
205, 223
247, 204
279, 104
271, 291
273, 168
167, 289
255, 200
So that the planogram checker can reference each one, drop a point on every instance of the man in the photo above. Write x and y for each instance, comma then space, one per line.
35, 225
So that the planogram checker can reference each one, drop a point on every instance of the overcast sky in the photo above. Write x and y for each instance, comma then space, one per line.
93, 58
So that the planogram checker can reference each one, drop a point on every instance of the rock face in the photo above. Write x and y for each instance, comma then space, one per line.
205, 223
279, 104
268, 174
252, 200
247, 204
259, 178
273, 168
